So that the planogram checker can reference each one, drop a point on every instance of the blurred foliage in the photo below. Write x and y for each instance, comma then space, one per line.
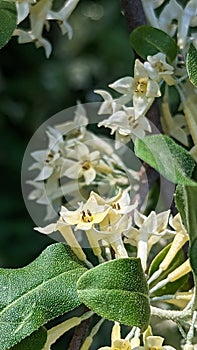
33, 88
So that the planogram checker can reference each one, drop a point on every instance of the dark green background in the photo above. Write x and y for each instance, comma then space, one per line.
33, 88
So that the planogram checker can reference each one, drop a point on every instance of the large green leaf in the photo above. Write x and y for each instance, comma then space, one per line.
191, 64
33, 295
117, 290
8, 19
35, 341
167, 157
146, 40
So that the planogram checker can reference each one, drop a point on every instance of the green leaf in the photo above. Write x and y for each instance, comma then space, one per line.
146, 40
35, 341
117, 290
167, 157
33, 295
171, 287
191, 64
186, 203
8, 21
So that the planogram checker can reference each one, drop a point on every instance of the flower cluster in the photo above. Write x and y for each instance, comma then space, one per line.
40, 13
141, 90
76, 159
174, 18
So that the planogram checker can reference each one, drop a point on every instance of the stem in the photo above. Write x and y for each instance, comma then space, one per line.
79, 335
56, 332
134, 13
172, 315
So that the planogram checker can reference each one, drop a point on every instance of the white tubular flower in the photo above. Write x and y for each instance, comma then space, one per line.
154, 343
77, 127
116, 342
23, 8
141, 88
149, 6
38, 13
189, 13
172, 11
158, 68
150, 230
119, 204
125, 126
111, 229
84, 163
111, 105
48, 161
86, 215
63, 15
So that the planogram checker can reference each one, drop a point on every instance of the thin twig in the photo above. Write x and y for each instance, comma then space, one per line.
79, 335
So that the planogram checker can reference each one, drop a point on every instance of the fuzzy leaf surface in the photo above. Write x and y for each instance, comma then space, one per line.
33, 295
167, 157
8, 20
191, 64
117, 290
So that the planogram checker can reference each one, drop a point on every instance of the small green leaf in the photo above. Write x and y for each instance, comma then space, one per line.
146, 40
8, 20
186, 203
171, 287
117, 290
33, 295
191, 64
167, 157
35, 341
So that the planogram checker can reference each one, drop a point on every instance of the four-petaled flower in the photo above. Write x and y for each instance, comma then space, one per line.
140, 88
150, 230
125, 126
158, 68
86, 215
81, 162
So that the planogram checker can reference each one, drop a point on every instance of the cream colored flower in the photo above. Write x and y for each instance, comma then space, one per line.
141, 89
125, 126
120, 204
150, 230
63, 15
87, 215
75, 128
111, 105
48, 161
184, 21
38, 14
116, 342
80, 161
158, 68
23, 8
169, 16
154, 343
